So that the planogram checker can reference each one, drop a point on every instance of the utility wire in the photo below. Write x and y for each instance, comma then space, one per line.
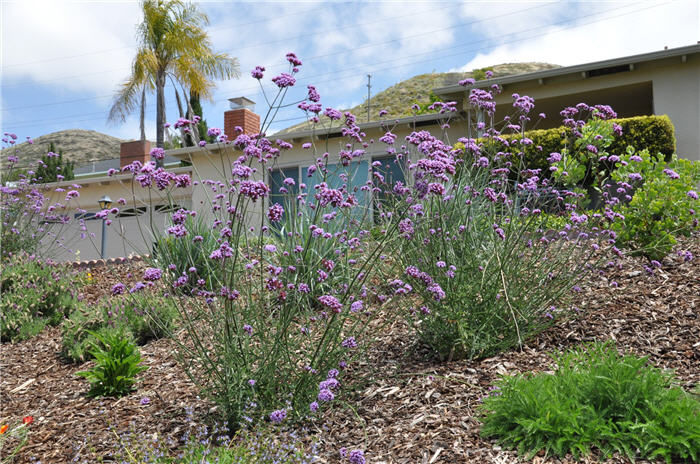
436, 57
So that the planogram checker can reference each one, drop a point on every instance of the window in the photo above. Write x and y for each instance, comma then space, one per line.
86, 216
132, 212
392, 171
167, 208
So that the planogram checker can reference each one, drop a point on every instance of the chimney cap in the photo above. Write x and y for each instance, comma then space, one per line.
242, 102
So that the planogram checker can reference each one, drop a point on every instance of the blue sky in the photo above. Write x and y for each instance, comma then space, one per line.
62, 61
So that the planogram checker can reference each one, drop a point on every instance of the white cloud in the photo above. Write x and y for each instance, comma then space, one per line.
628, 30
36, 33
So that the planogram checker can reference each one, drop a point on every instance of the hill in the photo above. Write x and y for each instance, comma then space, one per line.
79, 146
397, 99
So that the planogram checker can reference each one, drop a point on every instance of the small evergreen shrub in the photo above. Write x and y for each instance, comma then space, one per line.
664, 204
34, 294
655, 133
118, 362
596, 398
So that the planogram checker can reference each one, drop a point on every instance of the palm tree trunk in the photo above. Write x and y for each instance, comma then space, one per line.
160, 110
142, 120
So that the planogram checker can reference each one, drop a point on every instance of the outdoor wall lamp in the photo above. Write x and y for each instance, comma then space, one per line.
105, 202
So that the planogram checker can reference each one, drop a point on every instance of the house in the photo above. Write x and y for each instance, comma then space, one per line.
662, 82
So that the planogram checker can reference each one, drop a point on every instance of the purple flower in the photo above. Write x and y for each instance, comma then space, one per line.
313, 94
356, 457
118, 289
251, 382
671, 173
330, 302
278, 416
356, 306
275, 212
257, 73
692, 194
158, 153
466, 82
284, 80
349, 343
293, 60
152, 274
145, 400
270, 248
326, 395
248, 329
314, 406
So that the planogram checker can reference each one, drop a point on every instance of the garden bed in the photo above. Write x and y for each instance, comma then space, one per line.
402, 405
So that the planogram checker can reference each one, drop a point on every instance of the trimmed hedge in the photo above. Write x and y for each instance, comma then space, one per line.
654, 133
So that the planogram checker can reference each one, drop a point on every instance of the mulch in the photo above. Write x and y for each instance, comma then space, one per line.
403, 405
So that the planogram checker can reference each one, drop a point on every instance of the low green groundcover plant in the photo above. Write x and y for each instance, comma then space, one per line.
596, 398
34, 294
118, 362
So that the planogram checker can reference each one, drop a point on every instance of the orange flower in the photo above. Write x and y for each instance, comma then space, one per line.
28, 420
4, 428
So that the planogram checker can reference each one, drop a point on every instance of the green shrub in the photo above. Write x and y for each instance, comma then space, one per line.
664, 204
117, 364
144, 316
34, 294
655, 133
595, 399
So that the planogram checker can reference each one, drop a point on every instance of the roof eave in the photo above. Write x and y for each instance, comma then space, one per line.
576, 69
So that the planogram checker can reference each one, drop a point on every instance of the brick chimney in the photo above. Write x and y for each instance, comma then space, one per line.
136, 150
241, 114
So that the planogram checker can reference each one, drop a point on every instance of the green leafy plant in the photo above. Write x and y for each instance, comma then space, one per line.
663, 206
12, 439
144, 316
34, 294
596, 398
117, 363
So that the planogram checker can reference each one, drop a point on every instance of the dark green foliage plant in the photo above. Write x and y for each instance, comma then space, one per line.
52, 166
664, 204
598, 399
34, 294
117, 363
655, 133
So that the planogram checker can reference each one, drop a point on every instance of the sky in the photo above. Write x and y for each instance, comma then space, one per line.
62, 61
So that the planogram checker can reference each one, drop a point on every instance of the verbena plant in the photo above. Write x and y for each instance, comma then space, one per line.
290, 297
29, 221
596, 398
117, 363
489, 267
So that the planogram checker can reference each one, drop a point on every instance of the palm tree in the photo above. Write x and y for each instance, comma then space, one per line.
172, 44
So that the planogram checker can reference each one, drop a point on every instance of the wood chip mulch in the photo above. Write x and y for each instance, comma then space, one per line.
405, 407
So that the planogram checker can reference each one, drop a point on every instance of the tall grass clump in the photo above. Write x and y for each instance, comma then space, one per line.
285, 282
488, 267
596, 398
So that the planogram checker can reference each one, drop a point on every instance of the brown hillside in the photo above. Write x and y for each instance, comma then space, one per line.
79, 146
397, 100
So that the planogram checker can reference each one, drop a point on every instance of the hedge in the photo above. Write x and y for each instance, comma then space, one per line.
655, 133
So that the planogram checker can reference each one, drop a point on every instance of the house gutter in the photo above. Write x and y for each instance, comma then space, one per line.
577, 69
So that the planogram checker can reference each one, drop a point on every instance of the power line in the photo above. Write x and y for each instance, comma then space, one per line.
374, 44
440, 57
